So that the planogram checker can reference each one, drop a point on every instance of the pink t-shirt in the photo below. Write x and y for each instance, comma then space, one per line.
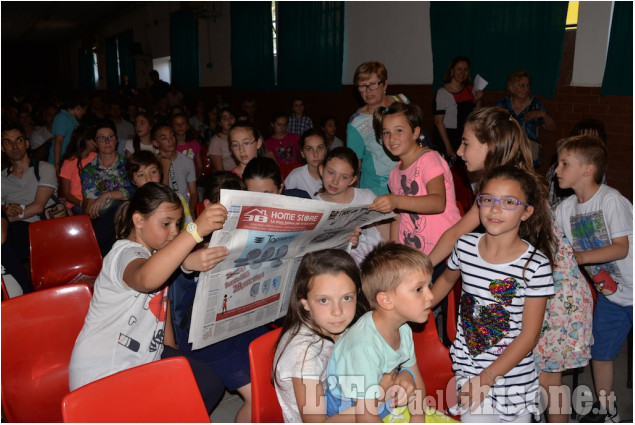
423, 231
286, 150
70, 172
191, 150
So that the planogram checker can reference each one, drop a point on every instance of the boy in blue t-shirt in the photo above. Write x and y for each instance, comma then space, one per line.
598, 221
396, 282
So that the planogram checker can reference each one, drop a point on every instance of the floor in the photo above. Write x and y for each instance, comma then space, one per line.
231, 402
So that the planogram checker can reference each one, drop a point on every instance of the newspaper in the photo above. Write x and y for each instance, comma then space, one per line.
267, 235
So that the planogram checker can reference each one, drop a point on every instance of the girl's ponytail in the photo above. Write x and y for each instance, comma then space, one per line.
123, 225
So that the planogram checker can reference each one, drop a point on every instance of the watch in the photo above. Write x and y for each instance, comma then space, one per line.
191, 229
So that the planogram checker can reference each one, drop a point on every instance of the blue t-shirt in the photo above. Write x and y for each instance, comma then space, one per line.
63, 125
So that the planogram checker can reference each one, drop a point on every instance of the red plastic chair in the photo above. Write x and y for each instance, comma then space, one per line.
63, 250
454, 296
264, 406
435, 364
38, 335
161, 391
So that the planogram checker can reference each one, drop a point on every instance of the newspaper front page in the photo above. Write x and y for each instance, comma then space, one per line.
267, 235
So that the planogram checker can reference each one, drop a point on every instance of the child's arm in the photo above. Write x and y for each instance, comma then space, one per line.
205, 259
477, 387
432, 203
616, 251
191, 188
417, 403
466, 224
394, 228
444, 284
309, 394
199, 163
146, 275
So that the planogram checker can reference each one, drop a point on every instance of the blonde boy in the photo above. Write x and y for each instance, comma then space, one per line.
598, 221
396, 282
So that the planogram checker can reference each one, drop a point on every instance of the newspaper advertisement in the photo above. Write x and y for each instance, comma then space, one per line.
267, 235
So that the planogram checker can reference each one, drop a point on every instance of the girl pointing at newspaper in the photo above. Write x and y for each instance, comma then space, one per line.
128, 321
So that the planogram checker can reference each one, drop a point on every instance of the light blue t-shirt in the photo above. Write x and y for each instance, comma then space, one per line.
63, 125
360, 359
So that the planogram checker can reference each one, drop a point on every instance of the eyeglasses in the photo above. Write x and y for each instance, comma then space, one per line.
244, 145
372, 86
506, 203
109, 138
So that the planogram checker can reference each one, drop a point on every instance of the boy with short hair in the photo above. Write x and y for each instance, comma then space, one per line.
63, 126
143, 167
598, 221
396, 282
177, 169
298, 122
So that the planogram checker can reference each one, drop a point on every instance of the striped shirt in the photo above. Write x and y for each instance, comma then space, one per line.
490, 318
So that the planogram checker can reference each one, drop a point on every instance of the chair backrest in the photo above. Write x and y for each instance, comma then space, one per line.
199, 208
38, 335
435, 364
264, 405
63, 250
161, 391
454, 296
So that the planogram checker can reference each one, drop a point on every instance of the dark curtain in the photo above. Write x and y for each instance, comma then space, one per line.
184, 54
86, 70
310, 45
112, 74
126, 64
251, 46
617, 80
499, 38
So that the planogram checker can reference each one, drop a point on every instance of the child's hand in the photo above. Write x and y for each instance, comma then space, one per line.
384, 204
354, 237
473, 392
212, 218
205, 259
580, 257
403, 389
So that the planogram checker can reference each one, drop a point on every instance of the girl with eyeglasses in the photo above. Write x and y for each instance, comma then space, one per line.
493, 138
246, 143
506, 281
371, 82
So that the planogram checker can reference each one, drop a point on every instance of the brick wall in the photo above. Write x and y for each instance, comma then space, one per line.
570, 105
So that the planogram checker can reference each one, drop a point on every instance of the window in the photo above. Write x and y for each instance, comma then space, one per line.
96, 67
274, 32
572, 15
162, 66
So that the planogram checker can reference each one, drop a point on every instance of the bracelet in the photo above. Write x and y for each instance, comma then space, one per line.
410, 372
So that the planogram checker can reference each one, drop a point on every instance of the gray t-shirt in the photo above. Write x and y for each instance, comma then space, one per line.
181, 173
22, 191
124, 328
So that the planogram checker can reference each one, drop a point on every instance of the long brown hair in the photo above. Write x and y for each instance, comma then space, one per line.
326, 261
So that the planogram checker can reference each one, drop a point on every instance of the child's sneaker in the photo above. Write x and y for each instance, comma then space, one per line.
601, 415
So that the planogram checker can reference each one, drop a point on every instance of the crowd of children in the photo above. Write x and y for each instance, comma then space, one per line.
345, 343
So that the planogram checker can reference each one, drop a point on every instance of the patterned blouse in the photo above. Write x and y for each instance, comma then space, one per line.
97, 179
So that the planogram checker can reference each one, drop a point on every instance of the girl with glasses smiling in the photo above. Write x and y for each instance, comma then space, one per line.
493, 138
506, 282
